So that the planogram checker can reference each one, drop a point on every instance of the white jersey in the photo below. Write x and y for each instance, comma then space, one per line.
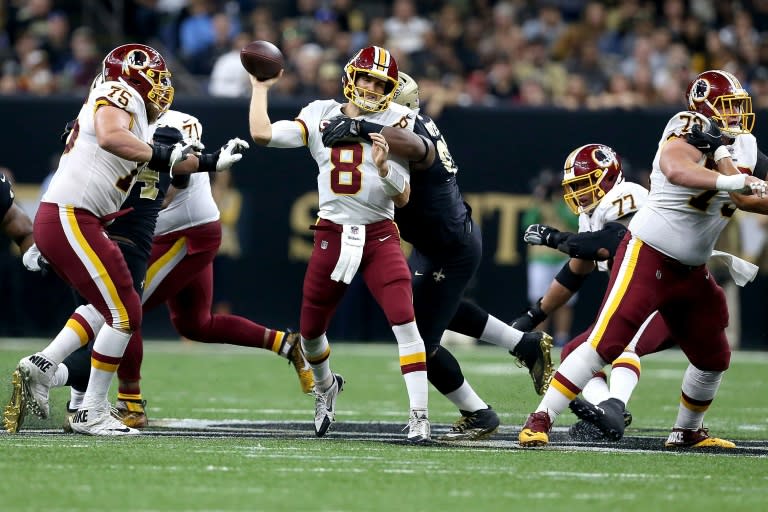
625, 198
348, 181
194, 205
89, 177
684, 223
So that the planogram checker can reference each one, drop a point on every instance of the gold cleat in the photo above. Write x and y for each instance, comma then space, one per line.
690, 438
131, 413
16, 410
299, 362
529, 438
534, 352
535, 432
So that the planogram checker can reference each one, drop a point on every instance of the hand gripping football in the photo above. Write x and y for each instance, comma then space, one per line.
262, 59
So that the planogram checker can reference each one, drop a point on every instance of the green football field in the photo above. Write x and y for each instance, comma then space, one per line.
230, 430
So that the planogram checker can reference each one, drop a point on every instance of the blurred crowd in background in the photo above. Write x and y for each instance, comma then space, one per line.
555, 53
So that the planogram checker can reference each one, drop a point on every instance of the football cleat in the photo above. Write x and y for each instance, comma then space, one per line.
607, 416
132, 413
67, 426
36, 373
99, 421
325, 405
419, 431
535, 432
16, 410
533, 352
299, 362
586, 431
695, 438
476, 425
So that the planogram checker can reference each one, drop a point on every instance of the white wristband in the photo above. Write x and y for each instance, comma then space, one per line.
393, 182
732, 183
720, 153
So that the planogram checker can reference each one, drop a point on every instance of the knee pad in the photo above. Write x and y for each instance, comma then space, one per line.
443, 371
92, 317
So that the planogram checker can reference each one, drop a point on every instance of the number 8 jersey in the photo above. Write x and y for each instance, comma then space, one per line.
348, 180
684, 223
89, 177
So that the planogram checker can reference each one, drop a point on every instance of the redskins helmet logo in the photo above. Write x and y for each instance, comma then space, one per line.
603, 157
136, 59
700, 90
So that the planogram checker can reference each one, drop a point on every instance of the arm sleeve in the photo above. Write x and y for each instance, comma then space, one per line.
287, 134
585, 245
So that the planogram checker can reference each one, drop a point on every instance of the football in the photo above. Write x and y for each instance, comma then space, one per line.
262, 59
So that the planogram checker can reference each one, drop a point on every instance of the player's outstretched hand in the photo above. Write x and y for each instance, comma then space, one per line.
541, 234
230, 153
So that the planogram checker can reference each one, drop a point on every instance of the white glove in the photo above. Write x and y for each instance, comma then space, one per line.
230, 153
33, 260
759, 189
184, 148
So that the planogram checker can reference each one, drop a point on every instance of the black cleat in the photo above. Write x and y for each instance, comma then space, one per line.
585, 431
473, 426
607, 416
533, 352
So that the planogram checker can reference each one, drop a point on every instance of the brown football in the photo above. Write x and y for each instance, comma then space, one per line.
262, 59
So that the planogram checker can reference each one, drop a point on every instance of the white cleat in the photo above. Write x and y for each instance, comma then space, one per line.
36, 373
325, 405
98, 421
419, 431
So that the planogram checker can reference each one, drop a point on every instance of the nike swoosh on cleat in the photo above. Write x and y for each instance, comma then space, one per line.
126, 429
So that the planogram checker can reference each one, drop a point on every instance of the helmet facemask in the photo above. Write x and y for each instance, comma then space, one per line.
366, 99
162, 91
734, 113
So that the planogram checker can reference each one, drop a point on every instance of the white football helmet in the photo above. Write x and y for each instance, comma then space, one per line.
407, 92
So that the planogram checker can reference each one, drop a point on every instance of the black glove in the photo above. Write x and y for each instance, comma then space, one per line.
345, 129
532, 317
707, 141
541, 234
67, 129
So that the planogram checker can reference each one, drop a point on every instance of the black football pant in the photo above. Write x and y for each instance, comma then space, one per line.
439, 283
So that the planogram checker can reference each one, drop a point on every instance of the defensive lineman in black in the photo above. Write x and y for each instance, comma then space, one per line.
447, 247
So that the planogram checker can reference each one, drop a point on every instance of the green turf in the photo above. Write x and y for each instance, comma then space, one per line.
45, 472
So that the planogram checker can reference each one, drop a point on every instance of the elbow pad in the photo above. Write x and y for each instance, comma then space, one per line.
569, 278
585, 245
